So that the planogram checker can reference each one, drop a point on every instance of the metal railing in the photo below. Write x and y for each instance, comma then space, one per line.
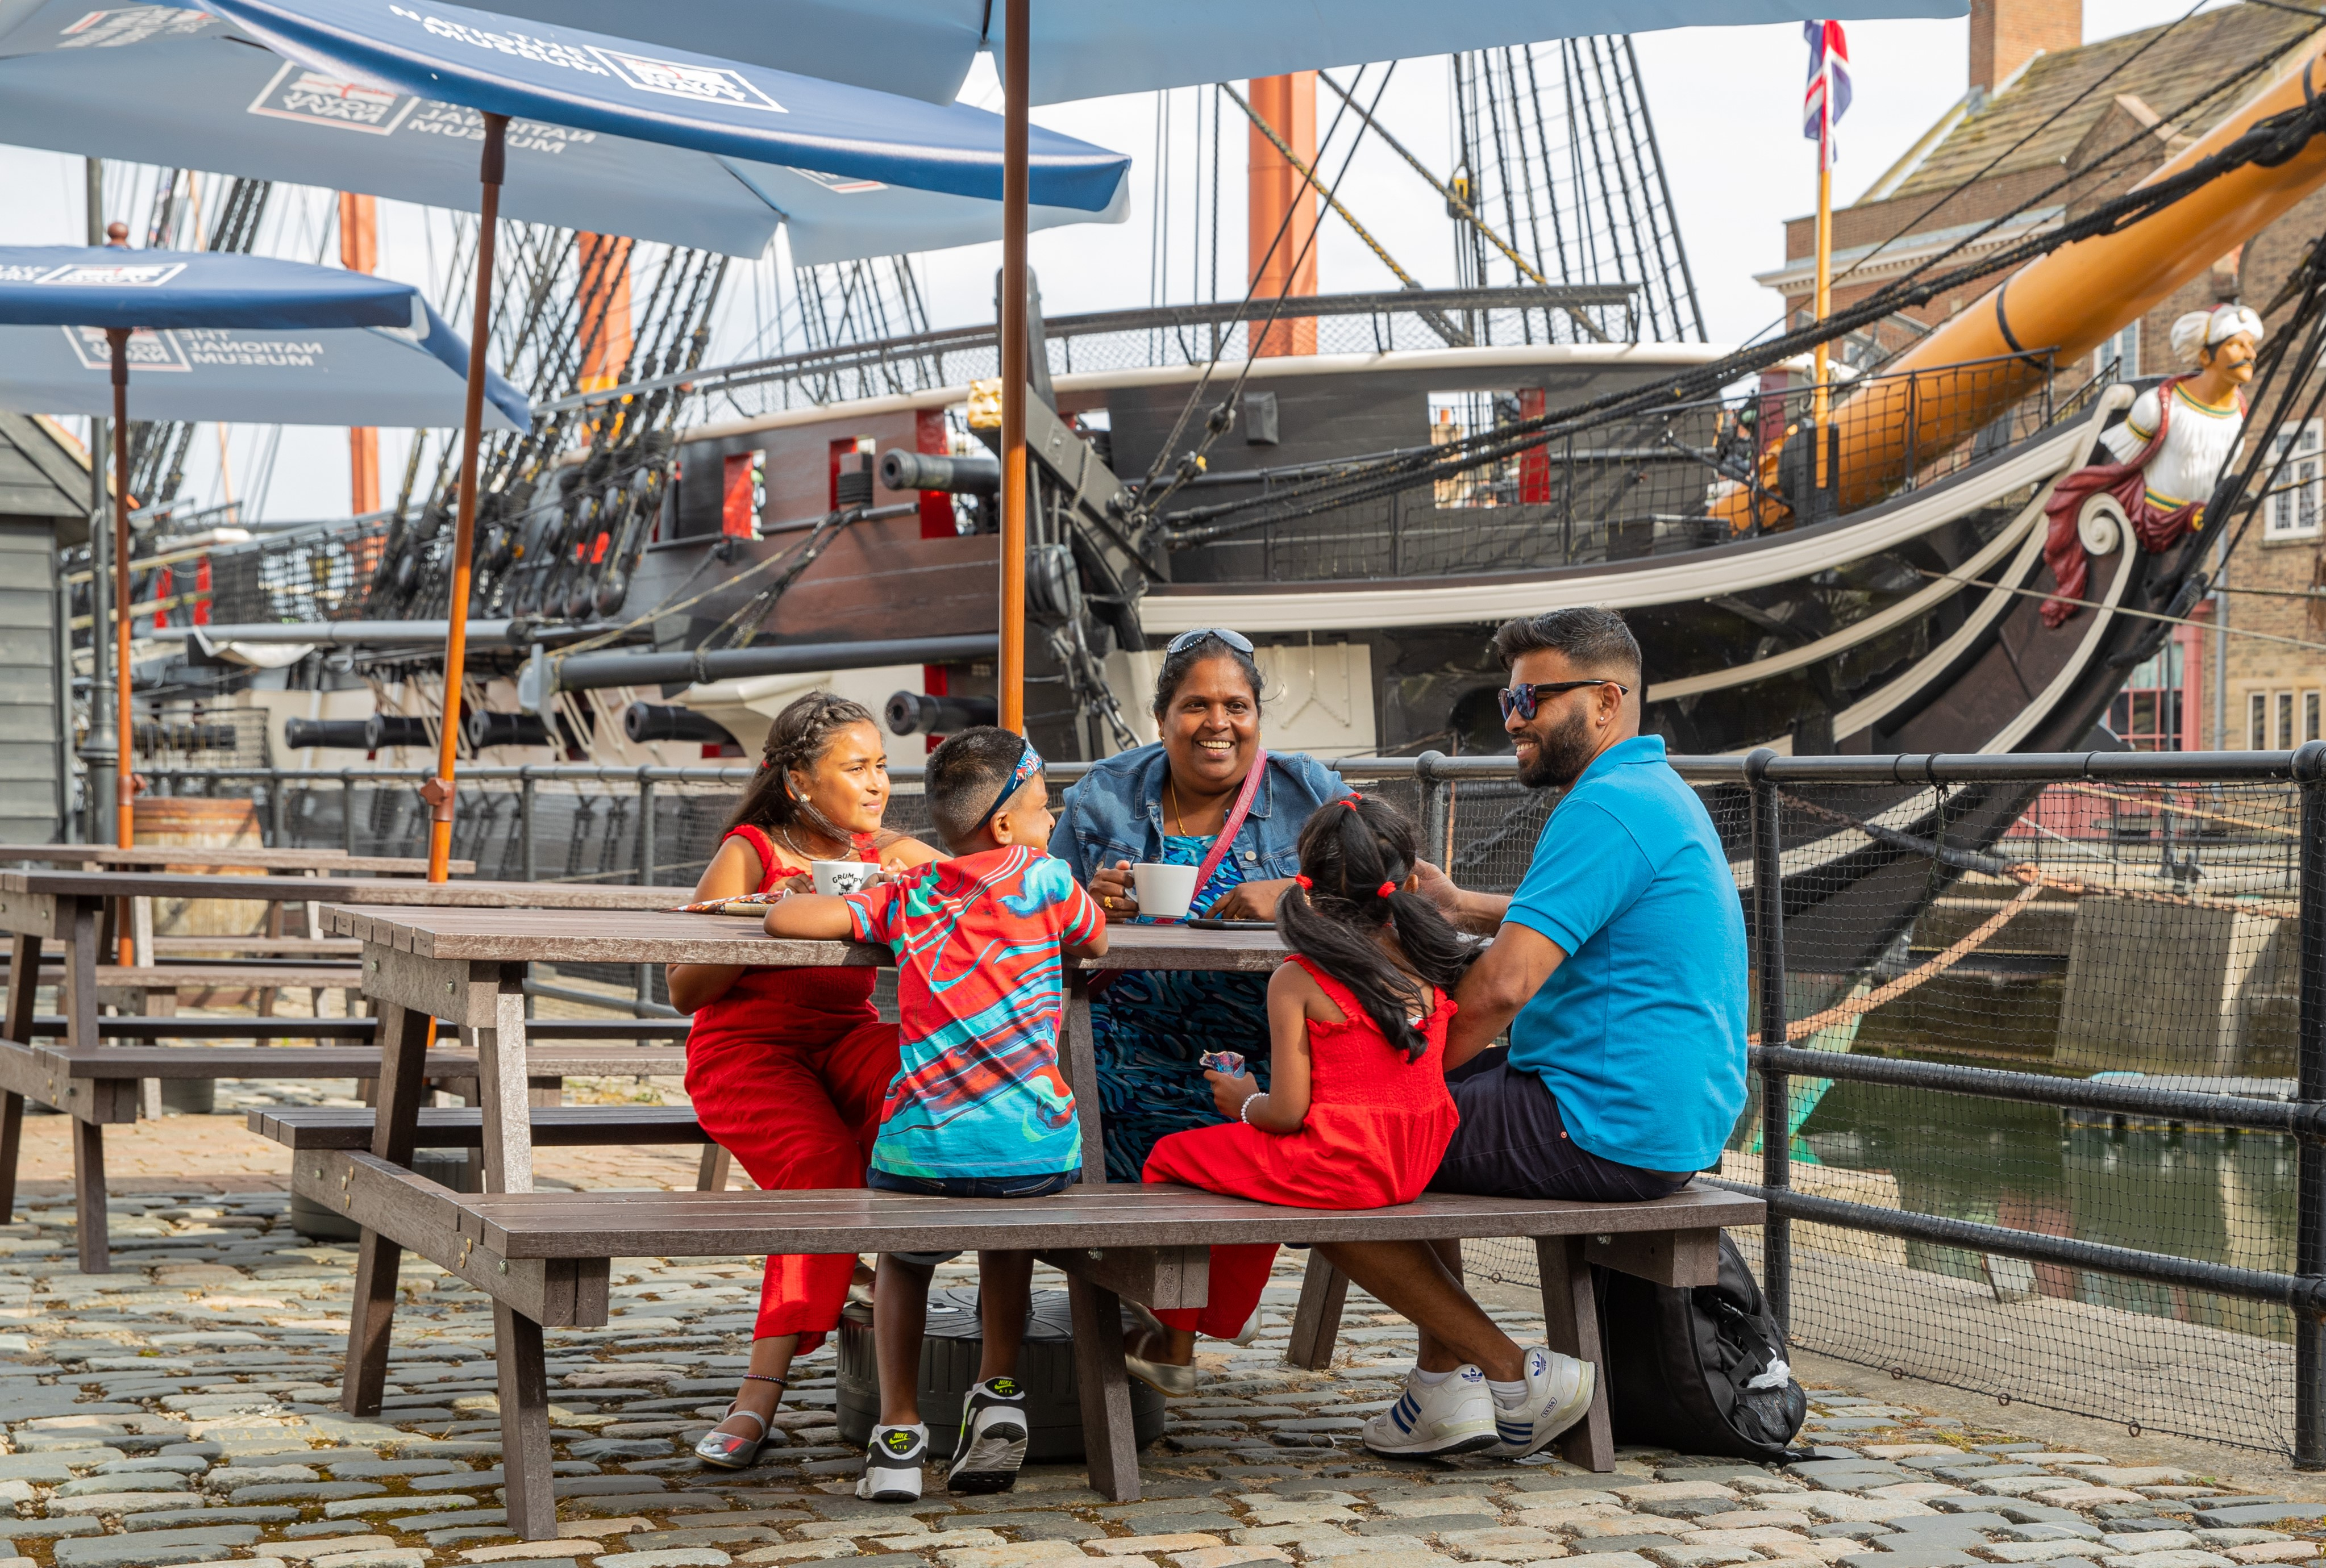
1472, 812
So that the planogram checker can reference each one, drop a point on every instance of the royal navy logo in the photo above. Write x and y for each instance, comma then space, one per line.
296, 93
147, 351
701, 84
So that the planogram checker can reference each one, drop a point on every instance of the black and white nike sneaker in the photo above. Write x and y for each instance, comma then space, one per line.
892, 1464
992, 1443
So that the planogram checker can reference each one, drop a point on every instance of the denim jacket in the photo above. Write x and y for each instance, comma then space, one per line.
1115, 812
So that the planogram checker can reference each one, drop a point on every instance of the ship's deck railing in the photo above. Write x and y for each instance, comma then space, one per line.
1154, 336
1677, 479
2053, 1097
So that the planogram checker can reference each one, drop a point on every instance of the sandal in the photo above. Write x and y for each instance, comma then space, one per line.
726, 1449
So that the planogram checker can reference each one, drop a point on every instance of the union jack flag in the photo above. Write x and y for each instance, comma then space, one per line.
1827, 98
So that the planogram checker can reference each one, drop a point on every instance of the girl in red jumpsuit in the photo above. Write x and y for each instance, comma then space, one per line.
786, 1067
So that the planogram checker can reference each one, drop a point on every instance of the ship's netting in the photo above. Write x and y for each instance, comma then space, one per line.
2141, 930
2075, 929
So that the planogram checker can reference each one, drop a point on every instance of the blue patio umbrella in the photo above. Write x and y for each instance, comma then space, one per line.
193, 353
606, 133
1085, 49
240, 333
543, 100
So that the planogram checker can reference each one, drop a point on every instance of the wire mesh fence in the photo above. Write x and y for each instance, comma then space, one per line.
2033, 1040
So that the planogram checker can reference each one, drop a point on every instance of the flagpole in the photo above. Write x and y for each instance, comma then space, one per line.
1823, 303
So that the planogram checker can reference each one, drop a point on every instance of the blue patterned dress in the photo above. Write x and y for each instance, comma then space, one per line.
1149, 1027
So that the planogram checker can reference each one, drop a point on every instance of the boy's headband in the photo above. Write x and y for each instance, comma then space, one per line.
1028, 764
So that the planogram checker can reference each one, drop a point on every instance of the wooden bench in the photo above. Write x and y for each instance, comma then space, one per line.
70, 910
544, 1258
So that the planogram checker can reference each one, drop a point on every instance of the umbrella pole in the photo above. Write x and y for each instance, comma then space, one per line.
439, 789
124, 776
1011, 685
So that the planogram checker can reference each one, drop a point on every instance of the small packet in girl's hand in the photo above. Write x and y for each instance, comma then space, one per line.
1228, 1061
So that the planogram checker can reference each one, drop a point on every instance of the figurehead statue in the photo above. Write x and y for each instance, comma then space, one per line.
2168, 451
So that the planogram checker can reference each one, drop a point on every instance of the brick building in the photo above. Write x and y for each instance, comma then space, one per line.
2041, 104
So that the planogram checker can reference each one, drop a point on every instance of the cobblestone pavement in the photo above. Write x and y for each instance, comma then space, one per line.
179, 1411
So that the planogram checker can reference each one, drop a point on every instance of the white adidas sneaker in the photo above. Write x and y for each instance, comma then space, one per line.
1559, 1394
1455, 1415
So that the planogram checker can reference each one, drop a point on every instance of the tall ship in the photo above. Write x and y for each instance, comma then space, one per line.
1363, 483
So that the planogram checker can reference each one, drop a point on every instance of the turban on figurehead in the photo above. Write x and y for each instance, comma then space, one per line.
2202, 329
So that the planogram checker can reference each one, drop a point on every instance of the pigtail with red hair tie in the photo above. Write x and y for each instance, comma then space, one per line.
1303, 884
1385, 889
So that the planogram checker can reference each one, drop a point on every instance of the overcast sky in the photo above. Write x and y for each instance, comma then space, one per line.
1726, 103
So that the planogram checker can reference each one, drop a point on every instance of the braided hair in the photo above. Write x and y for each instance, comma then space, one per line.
798, 738
1355, 855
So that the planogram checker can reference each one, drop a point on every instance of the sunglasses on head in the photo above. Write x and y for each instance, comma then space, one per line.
1186, 640
1522, 700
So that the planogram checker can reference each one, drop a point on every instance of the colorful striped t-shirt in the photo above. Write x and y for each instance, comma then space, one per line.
979, 1091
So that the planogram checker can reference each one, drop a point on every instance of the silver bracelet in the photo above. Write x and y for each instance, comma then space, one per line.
1243, 1112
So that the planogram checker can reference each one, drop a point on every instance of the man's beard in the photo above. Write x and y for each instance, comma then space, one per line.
1559, 757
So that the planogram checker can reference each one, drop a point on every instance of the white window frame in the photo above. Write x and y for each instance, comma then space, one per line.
2295, 507
2120, 349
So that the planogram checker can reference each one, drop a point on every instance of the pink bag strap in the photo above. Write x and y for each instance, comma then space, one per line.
1236, 814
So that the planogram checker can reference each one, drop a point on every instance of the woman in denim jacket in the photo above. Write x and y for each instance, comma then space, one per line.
1168, 802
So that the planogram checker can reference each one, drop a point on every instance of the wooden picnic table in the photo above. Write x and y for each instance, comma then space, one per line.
315, 862
66, 909
544, 1257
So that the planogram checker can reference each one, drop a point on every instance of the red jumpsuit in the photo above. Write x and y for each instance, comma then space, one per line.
1377, 1126
787, 1070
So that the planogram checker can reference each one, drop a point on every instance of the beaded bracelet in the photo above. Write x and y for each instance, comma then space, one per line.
1244, 1114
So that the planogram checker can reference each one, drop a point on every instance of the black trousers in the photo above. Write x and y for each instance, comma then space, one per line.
1512, 1143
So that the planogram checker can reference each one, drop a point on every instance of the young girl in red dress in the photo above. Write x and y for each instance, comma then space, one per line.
1356, 1116
787, 1067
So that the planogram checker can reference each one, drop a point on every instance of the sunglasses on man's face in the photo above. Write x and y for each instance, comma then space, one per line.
1523, 701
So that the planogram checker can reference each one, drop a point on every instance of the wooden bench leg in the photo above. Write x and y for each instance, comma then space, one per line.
1571, 1311
23, 979
11, 1150
1316, 1322
717, 1167
371, 1316
1108, 1441
89, 1197
524, 1385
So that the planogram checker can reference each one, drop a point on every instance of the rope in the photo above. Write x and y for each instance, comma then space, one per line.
2166, 806
1859, 1006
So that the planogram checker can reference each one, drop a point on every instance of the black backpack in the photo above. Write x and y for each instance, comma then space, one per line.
1682, 1365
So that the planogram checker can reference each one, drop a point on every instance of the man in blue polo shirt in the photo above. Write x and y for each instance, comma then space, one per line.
1618, 965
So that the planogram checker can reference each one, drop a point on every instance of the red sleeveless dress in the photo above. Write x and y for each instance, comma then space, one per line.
1377, 1126
787, 1070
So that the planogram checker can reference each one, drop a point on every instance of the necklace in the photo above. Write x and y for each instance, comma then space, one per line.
1171, 804
784, 833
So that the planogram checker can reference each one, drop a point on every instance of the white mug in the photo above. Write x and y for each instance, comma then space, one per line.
841, 876
1164, 892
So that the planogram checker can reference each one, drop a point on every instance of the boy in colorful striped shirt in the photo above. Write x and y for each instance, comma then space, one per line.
979, 1108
